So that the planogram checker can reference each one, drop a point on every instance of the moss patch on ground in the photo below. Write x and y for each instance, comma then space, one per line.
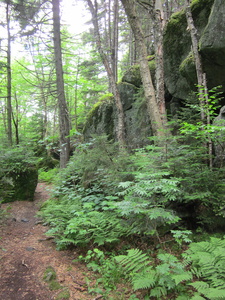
50, 277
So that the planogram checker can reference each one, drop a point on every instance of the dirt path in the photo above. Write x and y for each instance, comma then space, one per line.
25, 254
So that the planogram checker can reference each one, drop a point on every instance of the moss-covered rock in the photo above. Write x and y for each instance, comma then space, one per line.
180, 74
18, 175
19, 186
212, 45
100, 119
133, 76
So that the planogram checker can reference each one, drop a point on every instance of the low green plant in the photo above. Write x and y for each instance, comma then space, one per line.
93, 227
207, 262
109, 274
182, 236
47, 176
158, 281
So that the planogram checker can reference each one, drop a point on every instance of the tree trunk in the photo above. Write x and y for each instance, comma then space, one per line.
158, 20
9, 79
62, 105
15, 118
201, 77
153, 110
114, 52
197, 58
120, 131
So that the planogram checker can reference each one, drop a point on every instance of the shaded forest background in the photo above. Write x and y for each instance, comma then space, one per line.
150, 216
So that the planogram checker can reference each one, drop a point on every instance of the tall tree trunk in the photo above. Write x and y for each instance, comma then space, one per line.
62, 105
201, 77
15, 118
114, 52
120, 113
197, 58
158, 17
153, 110
9, 78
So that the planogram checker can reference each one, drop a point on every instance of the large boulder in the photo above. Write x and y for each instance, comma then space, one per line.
18, 176
212, 45
180, 73
102, 119
19, 186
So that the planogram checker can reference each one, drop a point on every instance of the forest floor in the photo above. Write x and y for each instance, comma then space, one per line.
26, 253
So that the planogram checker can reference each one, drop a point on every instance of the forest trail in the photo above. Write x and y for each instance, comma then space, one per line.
26, 253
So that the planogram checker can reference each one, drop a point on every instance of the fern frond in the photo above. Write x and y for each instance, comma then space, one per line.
200, 286
215, 294
186, 276
197, 297
134, 261
145, 280
158, 292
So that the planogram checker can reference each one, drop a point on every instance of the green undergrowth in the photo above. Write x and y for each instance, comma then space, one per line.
138, 217
48, 176
195, 273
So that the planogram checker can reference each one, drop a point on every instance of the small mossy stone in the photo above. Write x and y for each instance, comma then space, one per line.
49, 274
63, 295
54, 285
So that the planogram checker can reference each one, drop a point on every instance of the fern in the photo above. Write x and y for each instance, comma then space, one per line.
207, 261
134, 261
165, 277
197, 297
145, 280
158, 292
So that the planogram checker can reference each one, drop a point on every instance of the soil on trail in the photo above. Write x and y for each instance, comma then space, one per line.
26, 253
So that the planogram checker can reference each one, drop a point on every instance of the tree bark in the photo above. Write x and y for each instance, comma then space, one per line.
201, 77
62, 105
158, 17
152, 107
9, 78
120, 131
197, 58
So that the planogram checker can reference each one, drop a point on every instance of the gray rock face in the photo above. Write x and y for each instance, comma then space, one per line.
219, 144
212, 45
102, 118
180, 73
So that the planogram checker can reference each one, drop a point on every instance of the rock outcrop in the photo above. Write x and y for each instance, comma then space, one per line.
102, 118
180, 73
